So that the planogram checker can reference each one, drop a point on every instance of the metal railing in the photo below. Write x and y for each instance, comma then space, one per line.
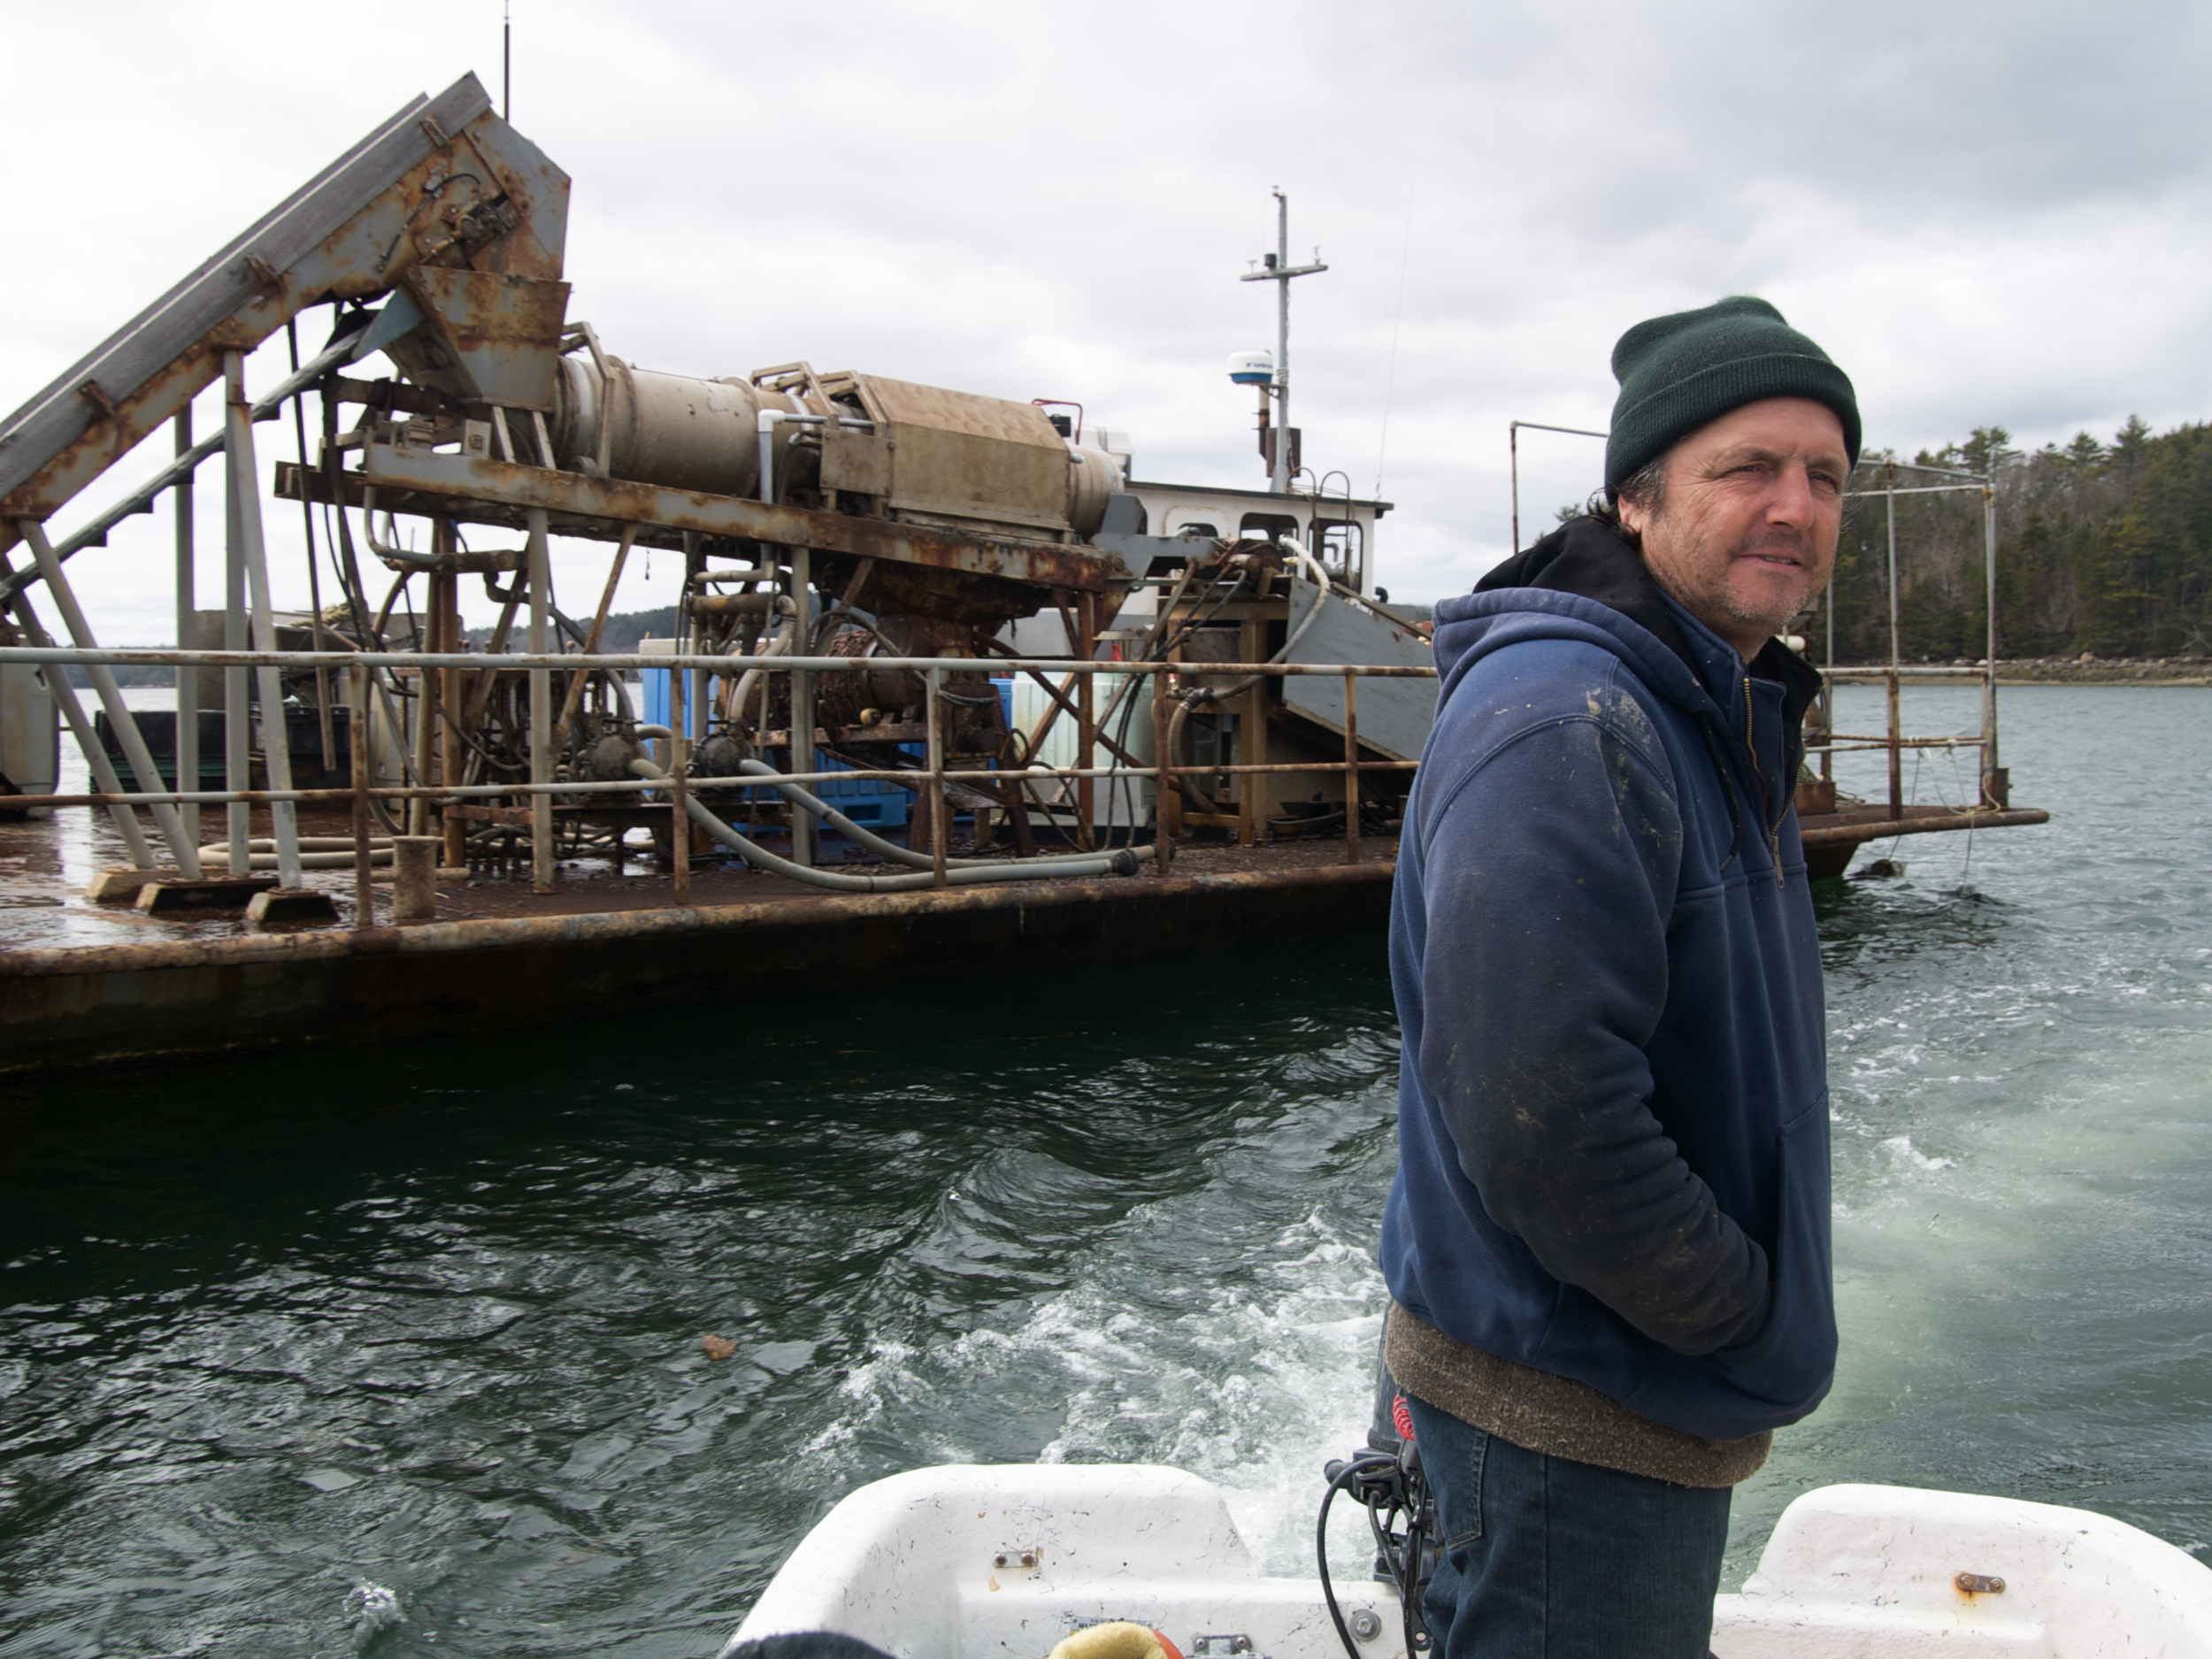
1993, 783
931, 779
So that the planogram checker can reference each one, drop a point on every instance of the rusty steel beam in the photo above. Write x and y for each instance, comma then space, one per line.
448, 481
68, 1008
167, 657
770, 916
1882, 829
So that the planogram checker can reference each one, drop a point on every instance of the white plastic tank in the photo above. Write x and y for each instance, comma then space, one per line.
30, 732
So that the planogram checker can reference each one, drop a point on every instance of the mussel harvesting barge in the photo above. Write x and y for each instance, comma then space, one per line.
948, 688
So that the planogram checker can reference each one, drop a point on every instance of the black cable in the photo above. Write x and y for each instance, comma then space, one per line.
1390, 1487
1412, 1623
1341, 1476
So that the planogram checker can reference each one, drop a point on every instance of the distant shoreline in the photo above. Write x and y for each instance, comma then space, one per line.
2027, 671
2064, 671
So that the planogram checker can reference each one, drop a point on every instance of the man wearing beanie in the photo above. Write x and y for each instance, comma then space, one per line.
1607, 1243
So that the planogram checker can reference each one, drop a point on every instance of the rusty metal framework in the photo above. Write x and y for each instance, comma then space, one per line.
1836, 825
855, 551
672, 789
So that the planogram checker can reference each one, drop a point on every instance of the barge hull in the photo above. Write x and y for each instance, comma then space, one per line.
67, 1009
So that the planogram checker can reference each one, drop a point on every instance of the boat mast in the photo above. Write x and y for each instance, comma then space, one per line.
1277, 269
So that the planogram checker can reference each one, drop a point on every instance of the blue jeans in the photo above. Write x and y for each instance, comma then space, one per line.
1547, 1558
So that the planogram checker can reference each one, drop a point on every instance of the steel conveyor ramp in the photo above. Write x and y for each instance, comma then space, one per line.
438, 200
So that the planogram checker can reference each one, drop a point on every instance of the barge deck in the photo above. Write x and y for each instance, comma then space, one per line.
501, 959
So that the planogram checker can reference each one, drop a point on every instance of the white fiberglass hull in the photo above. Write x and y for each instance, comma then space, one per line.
967, 1561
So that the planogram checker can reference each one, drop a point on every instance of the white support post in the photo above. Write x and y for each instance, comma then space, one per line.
540, 707
182, 853
1896, 716
237, 699
245, 513
935, 802
64, 695
803, 829
187, 743
1990, 792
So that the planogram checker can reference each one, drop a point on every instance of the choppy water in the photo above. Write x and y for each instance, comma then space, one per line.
399, 1351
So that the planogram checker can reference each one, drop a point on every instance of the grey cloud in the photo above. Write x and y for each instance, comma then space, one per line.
1988, 214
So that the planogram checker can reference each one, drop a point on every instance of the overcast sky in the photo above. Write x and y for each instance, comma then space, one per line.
1987, 214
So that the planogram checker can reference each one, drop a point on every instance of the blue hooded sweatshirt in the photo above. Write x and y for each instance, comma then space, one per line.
1613, 1107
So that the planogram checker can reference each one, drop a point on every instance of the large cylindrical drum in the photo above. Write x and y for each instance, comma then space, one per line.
666, 429
1093, 475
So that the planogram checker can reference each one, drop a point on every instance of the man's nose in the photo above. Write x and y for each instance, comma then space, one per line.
1789, 500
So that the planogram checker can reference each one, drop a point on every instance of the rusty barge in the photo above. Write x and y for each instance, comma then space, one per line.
950, 688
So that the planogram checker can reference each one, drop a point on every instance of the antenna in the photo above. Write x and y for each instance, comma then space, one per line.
507, 60
1278, 270
1390, 379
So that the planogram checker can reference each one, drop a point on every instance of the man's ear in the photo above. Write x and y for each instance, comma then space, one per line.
1634, 518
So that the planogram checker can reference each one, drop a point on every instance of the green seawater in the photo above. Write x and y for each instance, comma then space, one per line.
397, 1350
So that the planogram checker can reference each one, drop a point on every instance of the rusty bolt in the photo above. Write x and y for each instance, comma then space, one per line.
998, 1561
1979, 1584
1029, 1558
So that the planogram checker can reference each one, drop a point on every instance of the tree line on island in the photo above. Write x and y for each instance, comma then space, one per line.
2102, 548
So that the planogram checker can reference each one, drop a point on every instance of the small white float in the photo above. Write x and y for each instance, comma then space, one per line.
969, 1562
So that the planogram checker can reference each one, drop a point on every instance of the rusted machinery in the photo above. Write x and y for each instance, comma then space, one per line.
817, 516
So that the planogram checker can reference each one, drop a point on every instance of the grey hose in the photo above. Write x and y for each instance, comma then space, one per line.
1220, 694
821, 809
1121, 864
733, 708
1184, 787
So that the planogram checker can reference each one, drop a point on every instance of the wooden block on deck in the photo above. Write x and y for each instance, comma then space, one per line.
215, 893
291, 904
121, 885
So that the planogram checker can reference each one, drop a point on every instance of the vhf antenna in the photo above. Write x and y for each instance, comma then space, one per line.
1278, 270
507, 61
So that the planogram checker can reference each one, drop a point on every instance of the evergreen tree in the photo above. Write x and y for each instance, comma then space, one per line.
2101, 547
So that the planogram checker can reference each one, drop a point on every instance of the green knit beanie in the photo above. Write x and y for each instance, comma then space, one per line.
1678, 373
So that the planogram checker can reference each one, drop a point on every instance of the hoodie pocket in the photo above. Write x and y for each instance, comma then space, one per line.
1792, 1360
